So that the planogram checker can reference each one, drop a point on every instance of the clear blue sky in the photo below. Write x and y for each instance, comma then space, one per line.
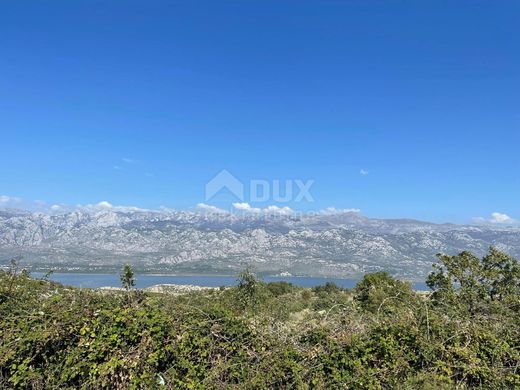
424, 95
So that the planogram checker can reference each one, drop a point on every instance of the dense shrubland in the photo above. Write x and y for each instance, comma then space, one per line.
464, 334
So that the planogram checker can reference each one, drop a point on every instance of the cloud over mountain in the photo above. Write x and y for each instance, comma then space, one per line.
497, 218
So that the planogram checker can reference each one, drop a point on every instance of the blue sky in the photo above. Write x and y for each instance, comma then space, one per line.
141, 103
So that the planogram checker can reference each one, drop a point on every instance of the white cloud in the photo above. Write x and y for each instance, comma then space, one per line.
496, 218
333, 210
9, 199
206, 208
104, 205
117, 167
278, 210
246, 207
128, 160
101, 206
501, 218
60, 208
364, 172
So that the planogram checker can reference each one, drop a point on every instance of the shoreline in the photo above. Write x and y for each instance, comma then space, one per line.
143, 281
203, 275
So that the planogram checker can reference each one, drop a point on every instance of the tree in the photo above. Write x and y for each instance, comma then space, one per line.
502, 276
248, 288
127, 277
474, 285
379, 291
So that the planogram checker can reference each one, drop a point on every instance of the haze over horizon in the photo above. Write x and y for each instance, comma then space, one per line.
398, 110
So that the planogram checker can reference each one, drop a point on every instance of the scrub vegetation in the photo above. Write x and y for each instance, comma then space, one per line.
465, 333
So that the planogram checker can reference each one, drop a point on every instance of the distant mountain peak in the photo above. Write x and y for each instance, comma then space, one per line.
344, 244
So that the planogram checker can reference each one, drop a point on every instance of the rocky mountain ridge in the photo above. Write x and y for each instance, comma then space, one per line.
343, 244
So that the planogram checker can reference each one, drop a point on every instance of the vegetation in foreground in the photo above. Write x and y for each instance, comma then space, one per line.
381, 334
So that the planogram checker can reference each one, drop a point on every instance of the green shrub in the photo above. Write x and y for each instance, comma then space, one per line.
379, 291
465, 334
280, 288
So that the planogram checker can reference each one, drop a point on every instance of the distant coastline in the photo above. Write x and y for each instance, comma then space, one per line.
143, 281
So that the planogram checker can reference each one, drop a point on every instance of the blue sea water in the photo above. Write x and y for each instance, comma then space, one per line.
86, 280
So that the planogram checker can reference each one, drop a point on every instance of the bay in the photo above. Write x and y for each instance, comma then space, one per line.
86, 280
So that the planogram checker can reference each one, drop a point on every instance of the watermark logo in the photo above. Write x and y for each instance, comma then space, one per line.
224, 181
291, 190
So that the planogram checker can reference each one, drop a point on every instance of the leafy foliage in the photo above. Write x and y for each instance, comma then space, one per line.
379, 291
127, 277
463, 334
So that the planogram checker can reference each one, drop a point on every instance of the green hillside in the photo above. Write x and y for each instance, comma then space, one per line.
382, 334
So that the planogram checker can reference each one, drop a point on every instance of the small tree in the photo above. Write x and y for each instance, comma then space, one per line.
248, 288
13, 272
379, 291
476, 285
127, 277
502, 276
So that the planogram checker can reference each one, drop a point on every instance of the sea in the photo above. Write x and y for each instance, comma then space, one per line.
91, 280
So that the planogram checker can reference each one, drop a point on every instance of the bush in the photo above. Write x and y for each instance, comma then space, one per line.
464, 334
379, 291
280, 288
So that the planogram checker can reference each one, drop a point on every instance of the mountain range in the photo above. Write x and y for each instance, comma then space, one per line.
338, 244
